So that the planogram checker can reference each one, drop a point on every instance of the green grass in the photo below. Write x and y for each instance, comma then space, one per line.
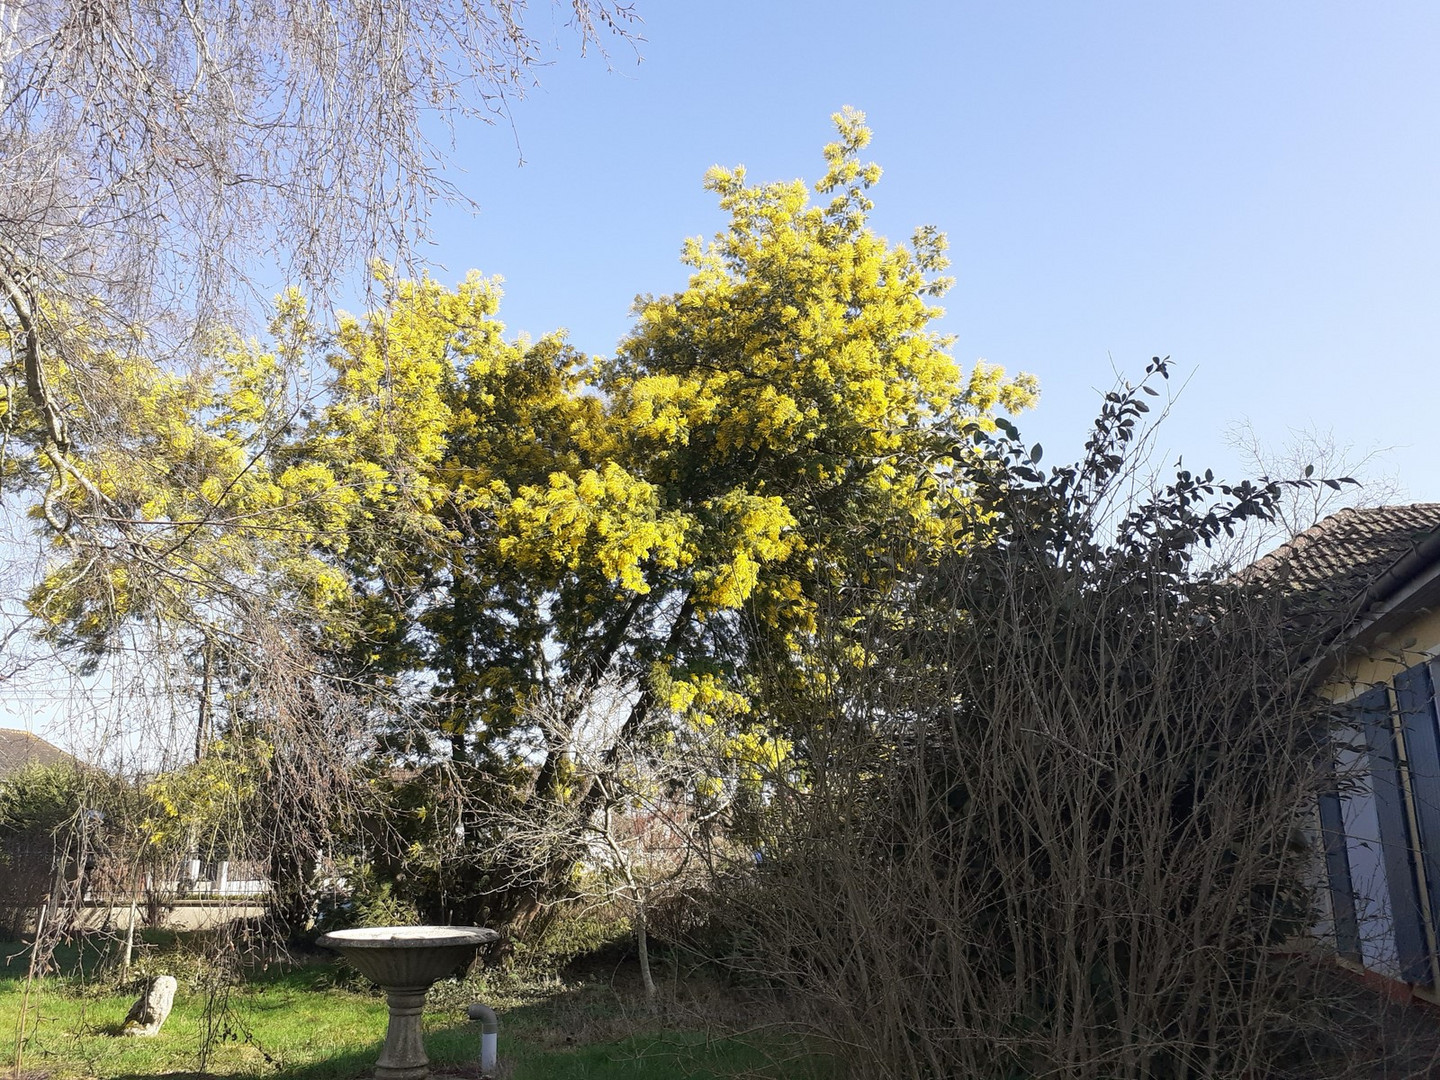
315, 1023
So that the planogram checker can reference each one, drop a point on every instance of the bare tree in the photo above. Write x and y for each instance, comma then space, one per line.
645, 836
633, 831
156, 155
1354, 477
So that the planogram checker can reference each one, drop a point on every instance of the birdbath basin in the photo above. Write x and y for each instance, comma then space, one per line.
405, 961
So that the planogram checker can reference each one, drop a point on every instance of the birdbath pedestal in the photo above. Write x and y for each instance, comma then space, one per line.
405, 961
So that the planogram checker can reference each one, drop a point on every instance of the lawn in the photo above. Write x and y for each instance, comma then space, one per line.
316, 1022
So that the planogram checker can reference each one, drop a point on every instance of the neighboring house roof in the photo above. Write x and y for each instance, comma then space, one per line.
20, 748
1356, 567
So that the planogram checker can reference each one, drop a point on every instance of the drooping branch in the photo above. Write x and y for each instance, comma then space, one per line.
27, 339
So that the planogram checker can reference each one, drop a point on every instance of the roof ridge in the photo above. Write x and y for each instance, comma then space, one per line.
1344, 562
1315, 533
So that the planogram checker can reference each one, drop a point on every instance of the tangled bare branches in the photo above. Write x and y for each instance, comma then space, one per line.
158, 158
1048, 827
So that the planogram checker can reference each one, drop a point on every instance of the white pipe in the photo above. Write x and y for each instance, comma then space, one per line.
488, 1039
489, 1034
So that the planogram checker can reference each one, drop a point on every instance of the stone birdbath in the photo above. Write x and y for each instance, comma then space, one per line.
405, 961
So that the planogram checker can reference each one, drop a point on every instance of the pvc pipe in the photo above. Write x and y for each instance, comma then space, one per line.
487, 1051
489, 1034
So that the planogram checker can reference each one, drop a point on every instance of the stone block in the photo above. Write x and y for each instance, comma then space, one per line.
148, 1014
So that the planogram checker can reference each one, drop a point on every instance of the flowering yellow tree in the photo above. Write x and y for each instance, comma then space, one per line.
796, 416
776, 437
550, 558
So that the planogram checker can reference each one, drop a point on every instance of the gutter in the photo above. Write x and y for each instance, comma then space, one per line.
1405, 569
1415, 574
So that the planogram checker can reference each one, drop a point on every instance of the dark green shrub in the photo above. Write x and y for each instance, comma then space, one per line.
1043, 827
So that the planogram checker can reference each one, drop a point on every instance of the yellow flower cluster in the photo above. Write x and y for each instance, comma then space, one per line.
606, 516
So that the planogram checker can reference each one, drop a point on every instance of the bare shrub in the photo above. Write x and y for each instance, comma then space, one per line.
1359, 476
1045, 826
627, 831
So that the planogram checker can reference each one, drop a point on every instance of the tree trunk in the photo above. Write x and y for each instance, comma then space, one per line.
129, 953
594, 672
642, 947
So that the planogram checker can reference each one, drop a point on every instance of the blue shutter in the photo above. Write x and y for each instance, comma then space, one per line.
1373, 711
1415, 697
1337, 870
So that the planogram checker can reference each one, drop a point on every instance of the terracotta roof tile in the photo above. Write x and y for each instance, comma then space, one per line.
1336, 568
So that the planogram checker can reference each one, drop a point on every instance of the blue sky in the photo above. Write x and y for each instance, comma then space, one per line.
1249, 188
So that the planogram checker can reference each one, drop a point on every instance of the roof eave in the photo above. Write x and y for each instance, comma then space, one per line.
1408, 589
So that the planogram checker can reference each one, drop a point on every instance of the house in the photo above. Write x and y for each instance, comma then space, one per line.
1366, 583
94, 875
20, 749
27, 848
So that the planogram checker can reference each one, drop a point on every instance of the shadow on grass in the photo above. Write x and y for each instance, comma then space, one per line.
340, 1067
592, 1032
345, 1066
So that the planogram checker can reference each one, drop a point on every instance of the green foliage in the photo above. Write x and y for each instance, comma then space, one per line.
565, 934
39, 798
370, 903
